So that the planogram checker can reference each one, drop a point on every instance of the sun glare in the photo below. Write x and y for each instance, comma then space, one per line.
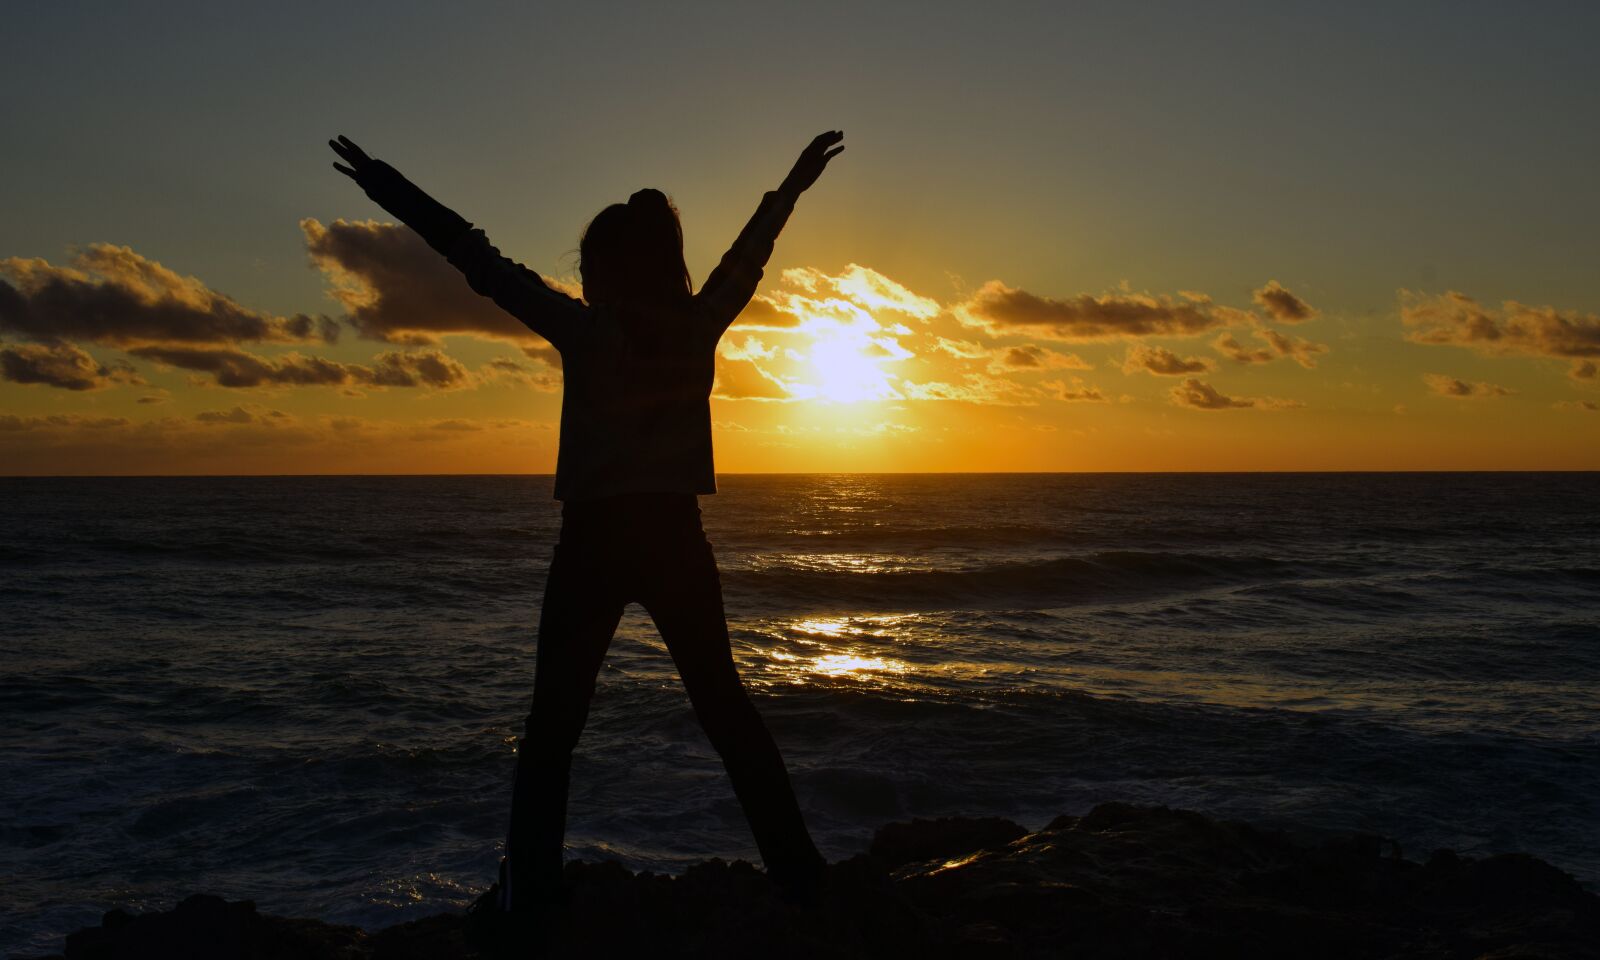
844, 362
841, 371
849, 665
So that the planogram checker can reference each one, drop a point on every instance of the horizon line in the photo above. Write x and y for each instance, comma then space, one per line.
799, 473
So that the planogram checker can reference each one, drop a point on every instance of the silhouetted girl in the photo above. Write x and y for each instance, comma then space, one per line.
637, 358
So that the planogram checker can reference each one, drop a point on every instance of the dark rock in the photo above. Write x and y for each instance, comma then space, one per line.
1119, 883
205, 927
946, 838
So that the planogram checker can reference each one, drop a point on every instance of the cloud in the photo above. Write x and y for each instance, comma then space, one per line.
875, 291
1588, 405
1199, 395
762, 313
1162, 362
751, 349
114, 296
512, 370
964, 349
414, 368
397, 289
1583, 370
974, 388
869, 289
1076, 392
1001, 310
463, 426
1283, 306
1455, 319
1033, 357
62, 365
237, 368
1303, 351
1231, 348
241, 415
1451, 387
747, 380
12, 422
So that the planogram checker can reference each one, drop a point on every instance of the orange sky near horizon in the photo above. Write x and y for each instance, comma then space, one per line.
836, 371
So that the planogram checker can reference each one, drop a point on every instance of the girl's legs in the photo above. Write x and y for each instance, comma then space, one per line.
686, 604
580, 612
648, 548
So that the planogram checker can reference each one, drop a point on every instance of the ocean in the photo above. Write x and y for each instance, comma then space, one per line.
304, 691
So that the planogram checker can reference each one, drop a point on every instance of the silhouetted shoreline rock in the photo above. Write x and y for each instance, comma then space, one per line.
1122, 882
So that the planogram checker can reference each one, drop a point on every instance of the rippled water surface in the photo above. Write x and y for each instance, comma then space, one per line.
303, 690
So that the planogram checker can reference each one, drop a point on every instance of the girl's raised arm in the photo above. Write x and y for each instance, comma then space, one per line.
731, 285
518, 290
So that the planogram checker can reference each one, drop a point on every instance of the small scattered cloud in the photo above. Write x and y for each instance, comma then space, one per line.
512, 370
1159, 361
1455, 319
1301, 350
242, 414
1034, 357
1446, 386
1075, 392
70, 421
762, 313
455, 424
1583, 370
1589, 406
747, 380
1278, 345
962, 349
973, 388
1199, 395
1001, 310
1283, 306
236, 368
1230, 347
751, 349
236, 415
868, 288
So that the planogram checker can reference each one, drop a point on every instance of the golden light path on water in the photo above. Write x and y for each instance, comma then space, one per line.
917, 656
849, 662
907, 655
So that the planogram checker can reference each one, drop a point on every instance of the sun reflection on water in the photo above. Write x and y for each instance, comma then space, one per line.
845, 664
833, 647
833, 627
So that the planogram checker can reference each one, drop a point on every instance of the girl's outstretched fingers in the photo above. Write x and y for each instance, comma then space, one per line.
812, 160
351, 154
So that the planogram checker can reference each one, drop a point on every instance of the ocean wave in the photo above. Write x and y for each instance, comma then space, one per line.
1048, 582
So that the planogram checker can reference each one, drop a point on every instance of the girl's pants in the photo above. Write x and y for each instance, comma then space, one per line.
647, 549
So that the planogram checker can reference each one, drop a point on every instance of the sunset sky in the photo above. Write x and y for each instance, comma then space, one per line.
1100, 237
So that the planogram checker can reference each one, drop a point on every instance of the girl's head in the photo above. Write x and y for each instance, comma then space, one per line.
633, 253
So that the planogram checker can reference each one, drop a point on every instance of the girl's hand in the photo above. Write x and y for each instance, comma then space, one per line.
811, 163
353, 155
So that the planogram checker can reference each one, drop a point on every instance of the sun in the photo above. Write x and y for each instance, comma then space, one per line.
845, 364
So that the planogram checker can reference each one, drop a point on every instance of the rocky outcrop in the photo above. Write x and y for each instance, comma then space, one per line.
1122, 882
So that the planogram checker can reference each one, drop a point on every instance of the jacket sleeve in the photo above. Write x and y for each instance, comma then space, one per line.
516, 289
731, 285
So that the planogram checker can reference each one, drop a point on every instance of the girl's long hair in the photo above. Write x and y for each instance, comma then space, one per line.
631, 254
